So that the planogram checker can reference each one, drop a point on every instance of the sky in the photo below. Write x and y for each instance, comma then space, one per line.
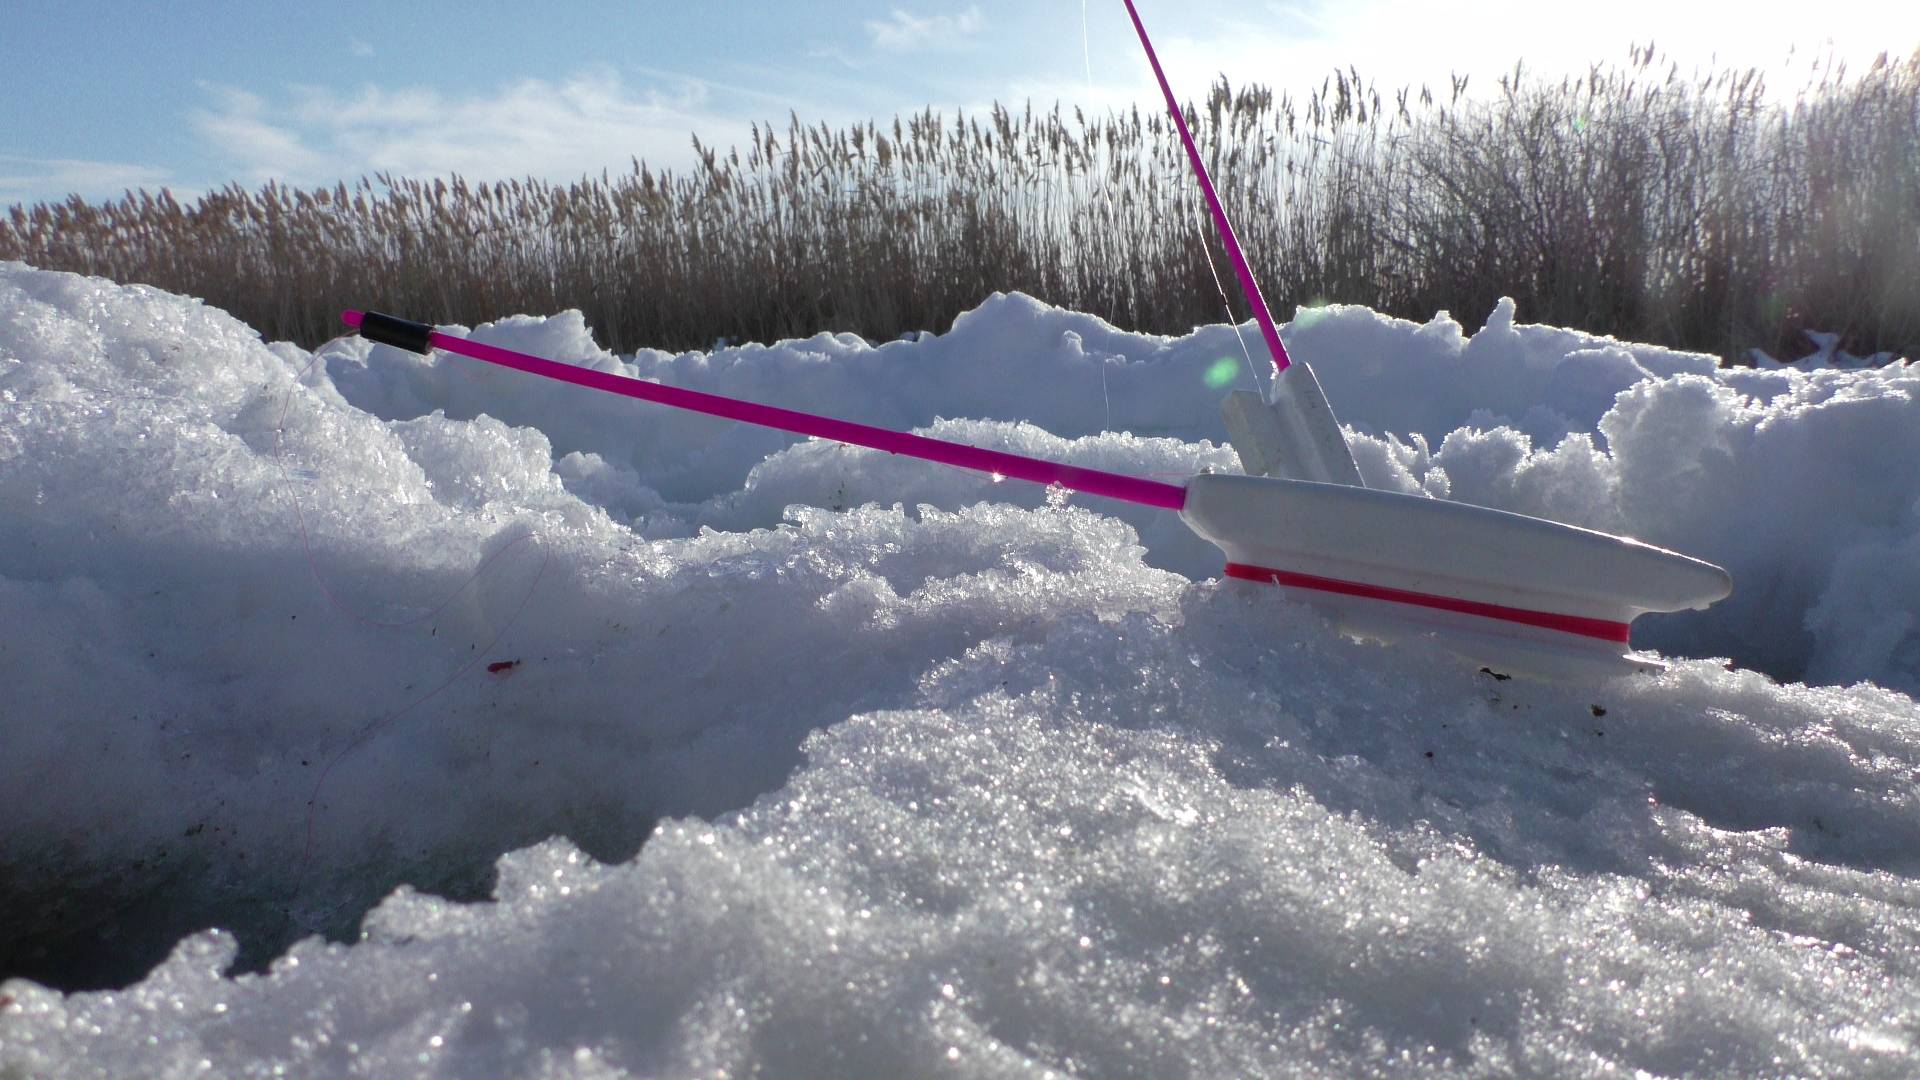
111, 95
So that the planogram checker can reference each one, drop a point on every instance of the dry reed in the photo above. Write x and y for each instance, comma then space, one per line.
1686, 210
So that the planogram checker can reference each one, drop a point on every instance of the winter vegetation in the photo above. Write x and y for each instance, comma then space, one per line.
1691, 210
378, 714
374, 713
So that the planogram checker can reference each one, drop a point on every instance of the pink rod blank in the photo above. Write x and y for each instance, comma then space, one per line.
1132, 489
1240, 268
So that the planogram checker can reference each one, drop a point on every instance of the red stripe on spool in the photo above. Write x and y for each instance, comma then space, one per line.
1603, 629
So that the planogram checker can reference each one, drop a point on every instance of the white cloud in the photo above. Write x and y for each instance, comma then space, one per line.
27, 179
530, 127
239, 127
902, 31
360, 47
1293, 44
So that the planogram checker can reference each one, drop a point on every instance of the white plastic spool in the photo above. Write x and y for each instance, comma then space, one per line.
1518, 594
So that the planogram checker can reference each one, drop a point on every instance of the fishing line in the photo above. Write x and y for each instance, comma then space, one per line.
477, 654
377, 726
1106, 399
1253, 373
306, 542
1086, 55
1086, 50
1226, 302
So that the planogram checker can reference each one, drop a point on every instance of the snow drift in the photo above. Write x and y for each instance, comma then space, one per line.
817, 760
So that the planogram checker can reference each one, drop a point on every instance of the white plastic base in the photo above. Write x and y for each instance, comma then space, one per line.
1516, 593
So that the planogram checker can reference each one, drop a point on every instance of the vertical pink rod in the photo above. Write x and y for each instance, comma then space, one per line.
1240, 267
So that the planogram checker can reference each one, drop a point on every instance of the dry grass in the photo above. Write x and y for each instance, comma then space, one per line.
1635, 201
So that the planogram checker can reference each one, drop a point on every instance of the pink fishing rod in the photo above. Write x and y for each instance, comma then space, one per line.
419, 338
1240, 268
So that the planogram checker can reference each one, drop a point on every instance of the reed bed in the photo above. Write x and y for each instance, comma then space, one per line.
1690, 210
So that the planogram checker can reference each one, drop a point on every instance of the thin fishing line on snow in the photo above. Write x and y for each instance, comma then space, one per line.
476, 654
1086, 55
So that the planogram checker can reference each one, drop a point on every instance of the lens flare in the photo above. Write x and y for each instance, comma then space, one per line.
1222, 372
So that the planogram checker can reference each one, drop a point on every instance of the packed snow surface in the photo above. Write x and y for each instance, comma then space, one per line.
502, 728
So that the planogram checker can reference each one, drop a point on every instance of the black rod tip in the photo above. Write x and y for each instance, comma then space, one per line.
399, 333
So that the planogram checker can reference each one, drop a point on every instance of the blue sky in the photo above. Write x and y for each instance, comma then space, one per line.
107, 95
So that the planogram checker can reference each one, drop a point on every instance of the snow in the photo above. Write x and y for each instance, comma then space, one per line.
817, 761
